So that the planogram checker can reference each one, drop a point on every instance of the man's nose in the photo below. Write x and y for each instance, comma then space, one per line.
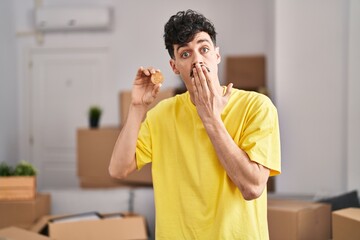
197, 58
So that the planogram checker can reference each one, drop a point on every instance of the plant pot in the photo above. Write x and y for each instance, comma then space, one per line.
94, 122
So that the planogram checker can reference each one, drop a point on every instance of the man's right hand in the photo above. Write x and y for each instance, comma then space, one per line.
123, 159
144, 91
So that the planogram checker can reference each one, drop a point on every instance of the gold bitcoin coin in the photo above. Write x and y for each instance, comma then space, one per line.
157, 77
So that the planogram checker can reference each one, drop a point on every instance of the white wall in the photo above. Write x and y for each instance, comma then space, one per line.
8, 87
353, 140
311, 56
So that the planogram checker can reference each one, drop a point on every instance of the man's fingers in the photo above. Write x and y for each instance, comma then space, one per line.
202, 80
150, 95
209, 83
197, 82
139, 72
195, 89
148, 71
156, 89
201, 76
228, 90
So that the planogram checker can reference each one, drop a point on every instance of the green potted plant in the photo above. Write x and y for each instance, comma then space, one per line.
18, 183
24, 169
5, 170
94, 116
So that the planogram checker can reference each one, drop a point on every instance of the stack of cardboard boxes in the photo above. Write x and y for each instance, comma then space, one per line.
20, 207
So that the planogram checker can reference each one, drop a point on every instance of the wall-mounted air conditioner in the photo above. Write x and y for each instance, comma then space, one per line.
72, 18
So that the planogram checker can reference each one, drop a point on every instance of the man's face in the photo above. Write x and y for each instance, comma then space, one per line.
200, 50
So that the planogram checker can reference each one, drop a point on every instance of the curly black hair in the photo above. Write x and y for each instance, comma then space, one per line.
182, 27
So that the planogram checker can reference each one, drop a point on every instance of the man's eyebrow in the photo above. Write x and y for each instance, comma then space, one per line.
186, 44
203, 40
180, 46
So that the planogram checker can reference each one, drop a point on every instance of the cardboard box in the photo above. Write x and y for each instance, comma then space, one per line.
246, 72
23, 213
346, 224
125, 100
126, 228
94, 150
17, 187
14, 233
300, 220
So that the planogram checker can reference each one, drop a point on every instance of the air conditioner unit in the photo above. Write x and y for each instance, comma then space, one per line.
72, 18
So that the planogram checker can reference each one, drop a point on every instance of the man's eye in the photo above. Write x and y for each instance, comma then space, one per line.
185, 54
205, 49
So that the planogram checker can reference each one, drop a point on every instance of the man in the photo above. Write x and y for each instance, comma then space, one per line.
212, 148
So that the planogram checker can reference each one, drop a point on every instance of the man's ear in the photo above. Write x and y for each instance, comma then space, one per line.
173, 66
218, 56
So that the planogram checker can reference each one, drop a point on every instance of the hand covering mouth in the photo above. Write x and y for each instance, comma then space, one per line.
201, 64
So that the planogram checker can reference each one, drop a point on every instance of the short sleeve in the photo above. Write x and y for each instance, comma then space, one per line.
261, 136
143, 146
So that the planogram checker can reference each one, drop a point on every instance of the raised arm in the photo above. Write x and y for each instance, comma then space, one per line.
123, 159
249, 176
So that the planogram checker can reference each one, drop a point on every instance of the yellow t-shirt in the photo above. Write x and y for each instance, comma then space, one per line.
194, 197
